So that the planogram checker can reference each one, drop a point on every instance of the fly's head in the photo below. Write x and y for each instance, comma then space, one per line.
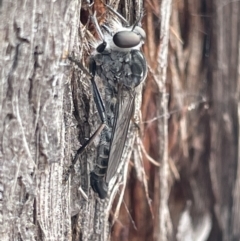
119, 56
120, 38
131, 38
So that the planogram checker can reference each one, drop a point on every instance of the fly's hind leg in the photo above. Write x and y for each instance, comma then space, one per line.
97, 178
100, 107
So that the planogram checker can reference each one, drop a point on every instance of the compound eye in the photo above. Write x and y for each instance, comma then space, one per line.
126, 39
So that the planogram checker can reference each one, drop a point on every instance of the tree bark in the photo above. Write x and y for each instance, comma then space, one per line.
189, 187
35, 37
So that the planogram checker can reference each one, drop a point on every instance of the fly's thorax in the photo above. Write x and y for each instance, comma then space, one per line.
121, 68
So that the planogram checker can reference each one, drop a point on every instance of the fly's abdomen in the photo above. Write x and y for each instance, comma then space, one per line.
97, 176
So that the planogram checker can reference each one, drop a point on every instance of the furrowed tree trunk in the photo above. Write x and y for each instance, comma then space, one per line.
188, 140
35, 37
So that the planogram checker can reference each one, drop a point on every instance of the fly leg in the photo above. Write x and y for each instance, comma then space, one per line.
101, 47
100, 107
96, 178
122, 18
116, 13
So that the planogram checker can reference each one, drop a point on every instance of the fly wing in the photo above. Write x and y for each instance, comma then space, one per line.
123, 115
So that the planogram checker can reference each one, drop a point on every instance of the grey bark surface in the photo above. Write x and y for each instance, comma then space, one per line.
35, 36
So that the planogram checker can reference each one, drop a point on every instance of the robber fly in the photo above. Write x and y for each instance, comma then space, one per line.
121, 66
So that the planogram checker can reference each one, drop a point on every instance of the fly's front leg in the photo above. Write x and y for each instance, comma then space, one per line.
101, 47
116, 13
